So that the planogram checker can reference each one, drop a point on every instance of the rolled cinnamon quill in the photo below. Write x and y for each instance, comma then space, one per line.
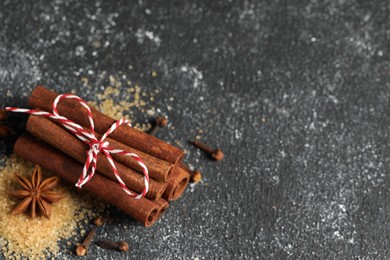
162, 206
159, 170
143, 210
176, 184
59, 138
43, 98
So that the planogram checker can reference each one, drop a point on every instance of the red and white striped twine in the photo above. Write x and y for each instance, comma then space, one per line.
96, 145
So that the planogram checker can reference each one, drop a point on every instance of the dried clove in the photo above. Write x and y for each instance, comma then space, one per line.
216, 154
99, 221
82, 249
159, 122
122, 246
196, 176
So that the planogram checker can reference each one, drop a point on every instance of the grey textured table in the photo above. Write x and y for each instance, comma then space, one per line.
296, 94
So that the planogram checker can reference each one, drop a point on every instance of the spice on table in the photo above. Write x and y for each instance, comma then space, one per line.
100, 221
82, 249
142, 210
43, 99
59, 138
122, 246
36, 192
158, 169
196, 176
216, 154
169, 183
22, 237
163, 206
159, 122
176, 184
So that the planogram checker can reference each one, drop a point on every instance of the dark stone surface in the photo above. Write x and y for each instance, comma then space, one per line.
296, 94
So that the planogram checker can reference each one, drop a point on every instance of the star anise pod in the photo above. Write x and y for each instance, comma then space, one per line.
5, 130
36, 192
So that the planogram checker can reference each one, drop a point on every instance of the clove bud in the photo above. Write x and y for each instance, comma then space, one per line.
196, 176
122, 246
99, 221
159, 122
216, 154
82, 249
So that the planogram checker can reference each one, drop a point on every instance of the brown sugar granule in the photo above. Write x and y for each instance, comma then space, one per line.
21, 236
119, 104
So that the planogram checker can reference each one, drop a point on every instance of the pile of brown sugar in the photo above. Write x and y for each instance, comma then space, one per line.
131, 97
21, 236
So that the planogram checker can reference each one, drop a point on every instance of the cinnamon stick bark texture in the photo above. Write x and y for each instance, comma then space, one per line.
43, 98
163, 206
143, 210
158, 169
59, 138
176, 184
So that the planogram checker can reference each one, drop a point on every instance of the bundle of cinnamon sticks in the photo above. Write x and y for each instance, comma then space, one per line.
48, 144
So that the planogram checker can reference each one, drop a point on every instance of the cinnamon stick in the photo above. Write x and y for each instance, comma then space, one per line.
159, 170
176, 184
43, 98
143, 210
59, 138
162, 206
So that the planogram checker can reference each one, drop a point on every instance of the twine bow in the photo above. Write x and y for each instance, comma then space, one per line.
96, 145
